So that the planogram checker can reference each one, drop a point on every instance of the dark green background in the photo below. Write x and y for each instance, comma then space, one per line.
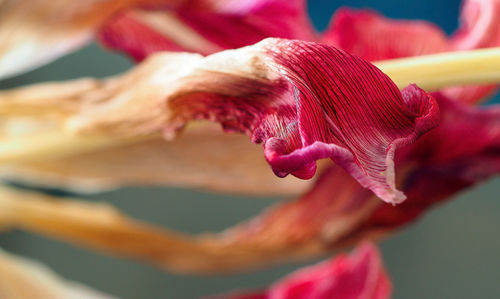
452, 252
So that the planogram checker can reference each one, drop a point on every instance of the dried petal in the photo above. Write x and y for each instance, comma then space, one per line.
35, 32
202, 157
21, 278
303, 101
101, 227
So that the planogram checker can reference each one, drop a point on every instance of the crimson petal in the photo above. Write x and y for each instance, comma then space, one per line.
359, 275
371, 36
347, 110
479, 28
205, 26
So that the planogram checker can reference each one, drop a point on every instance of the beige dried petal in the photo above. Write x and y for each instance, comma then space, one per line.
305, 228
35, 32
202, 157
112, 125
21, 278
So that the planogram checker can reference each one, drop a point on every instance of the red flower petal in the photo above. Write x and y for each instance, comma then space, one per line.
371, 36
360, 275
324, 103
479, 25
205, 27
347, 110
479, 28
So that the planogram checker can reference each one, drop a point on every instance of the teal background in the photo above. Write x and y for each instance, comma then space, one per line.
452, 252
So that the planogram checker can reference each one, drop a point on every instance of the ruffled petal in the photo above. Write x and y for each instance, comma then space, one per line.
336, 212
359, 275
347, 110
205, 26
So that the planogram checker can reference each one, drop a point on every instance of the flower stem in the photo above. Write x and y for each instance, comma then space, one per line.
432, 72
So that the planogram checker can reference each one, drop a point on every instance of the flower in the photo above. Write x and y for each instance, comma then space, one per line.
304, 101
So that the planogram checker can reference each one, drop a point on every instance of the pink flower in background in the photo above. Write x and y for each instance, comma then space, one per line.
359, 275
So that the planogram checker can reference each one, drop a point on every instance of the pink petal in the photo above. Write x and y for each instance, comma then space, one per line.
205, 26
359, 275
347, 110
371, 36
139, 41
479, 25
368, 34
479, 28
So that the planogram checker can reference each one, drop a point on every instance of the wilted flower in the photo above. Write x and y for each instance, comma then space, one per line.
304, 99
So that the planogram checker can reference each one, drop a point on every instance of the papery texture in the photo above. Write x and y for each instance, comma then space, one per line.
21, 278
265, 240
303, 101
202, 157
359, 275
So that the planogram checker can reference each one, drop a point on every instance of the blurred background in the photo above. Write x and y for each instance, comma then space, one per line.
452, 252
